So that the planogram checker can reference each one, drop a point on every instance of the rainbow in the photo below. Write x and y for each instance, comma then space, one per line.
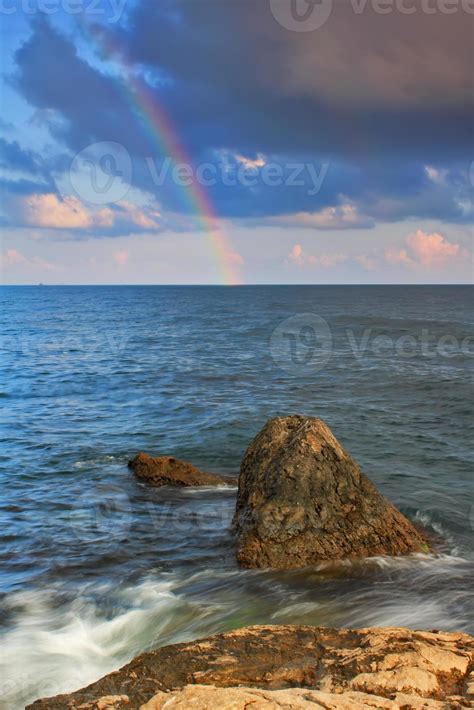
162, 132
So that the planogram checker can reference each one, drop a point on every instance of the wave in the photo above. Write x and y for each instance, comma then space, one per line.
55, 648
65, 638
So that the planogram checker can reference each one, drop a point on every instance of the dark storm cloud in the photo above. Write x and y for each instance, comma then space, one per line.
376, 97
358, 85
14, 157
24, 171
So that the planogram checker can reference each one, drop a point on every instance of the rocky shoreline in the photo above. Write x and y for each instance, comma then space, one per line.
302, 500
291, 667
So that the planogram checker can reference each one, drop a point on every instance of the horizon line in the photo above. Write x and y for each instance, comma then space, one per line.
216, 285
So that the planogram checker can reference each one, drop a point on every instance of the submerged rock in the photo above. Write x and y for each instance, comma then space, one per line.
391, 668
168, 471
302, 500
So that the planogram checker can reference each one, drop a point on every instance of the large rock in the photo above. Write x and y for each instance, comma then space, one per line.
302, 500
375, 668
168, 471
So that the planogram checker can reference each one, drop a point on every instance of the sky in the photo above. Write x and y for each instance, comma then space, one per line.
237, 141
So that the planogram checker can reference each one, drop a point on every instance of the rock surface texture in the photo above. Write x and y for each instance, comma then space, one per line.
168, 471
291, 667
303, 500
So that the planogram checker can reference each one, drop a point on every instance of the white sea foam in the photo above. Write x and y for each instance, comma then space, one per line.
95, 461
53, 649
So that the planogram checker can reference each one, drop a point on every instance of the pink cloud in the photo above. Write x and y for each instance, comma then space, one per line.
121, 257
432, 249
398, 256
11, 259
423, 249
250, 163
325, 261
296, 255
49, 211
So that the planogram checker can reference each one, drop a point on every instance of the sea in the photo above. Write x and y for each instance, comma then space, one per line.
96, 567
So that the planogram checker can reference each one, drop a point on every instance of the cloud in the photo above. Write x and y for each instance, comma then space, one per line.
345, 216
296, 255
24, 170
432, 249
435, 175
13, 260
384, 48
251, 163
424, 249
394, 255
12, 256
50, 211
273, 99
14, 157
147, 218
121, 257
325, 261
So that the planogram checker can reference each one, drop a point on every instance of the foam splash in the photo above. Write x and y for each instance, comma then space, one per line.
55, 648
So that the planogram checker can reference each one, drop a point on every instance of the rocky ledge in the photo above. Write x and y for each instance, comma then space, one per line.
291, 667
302, 500
169, 471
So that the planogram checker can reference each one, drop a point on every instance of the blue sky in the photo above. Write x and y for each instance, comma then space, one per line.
199, 141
